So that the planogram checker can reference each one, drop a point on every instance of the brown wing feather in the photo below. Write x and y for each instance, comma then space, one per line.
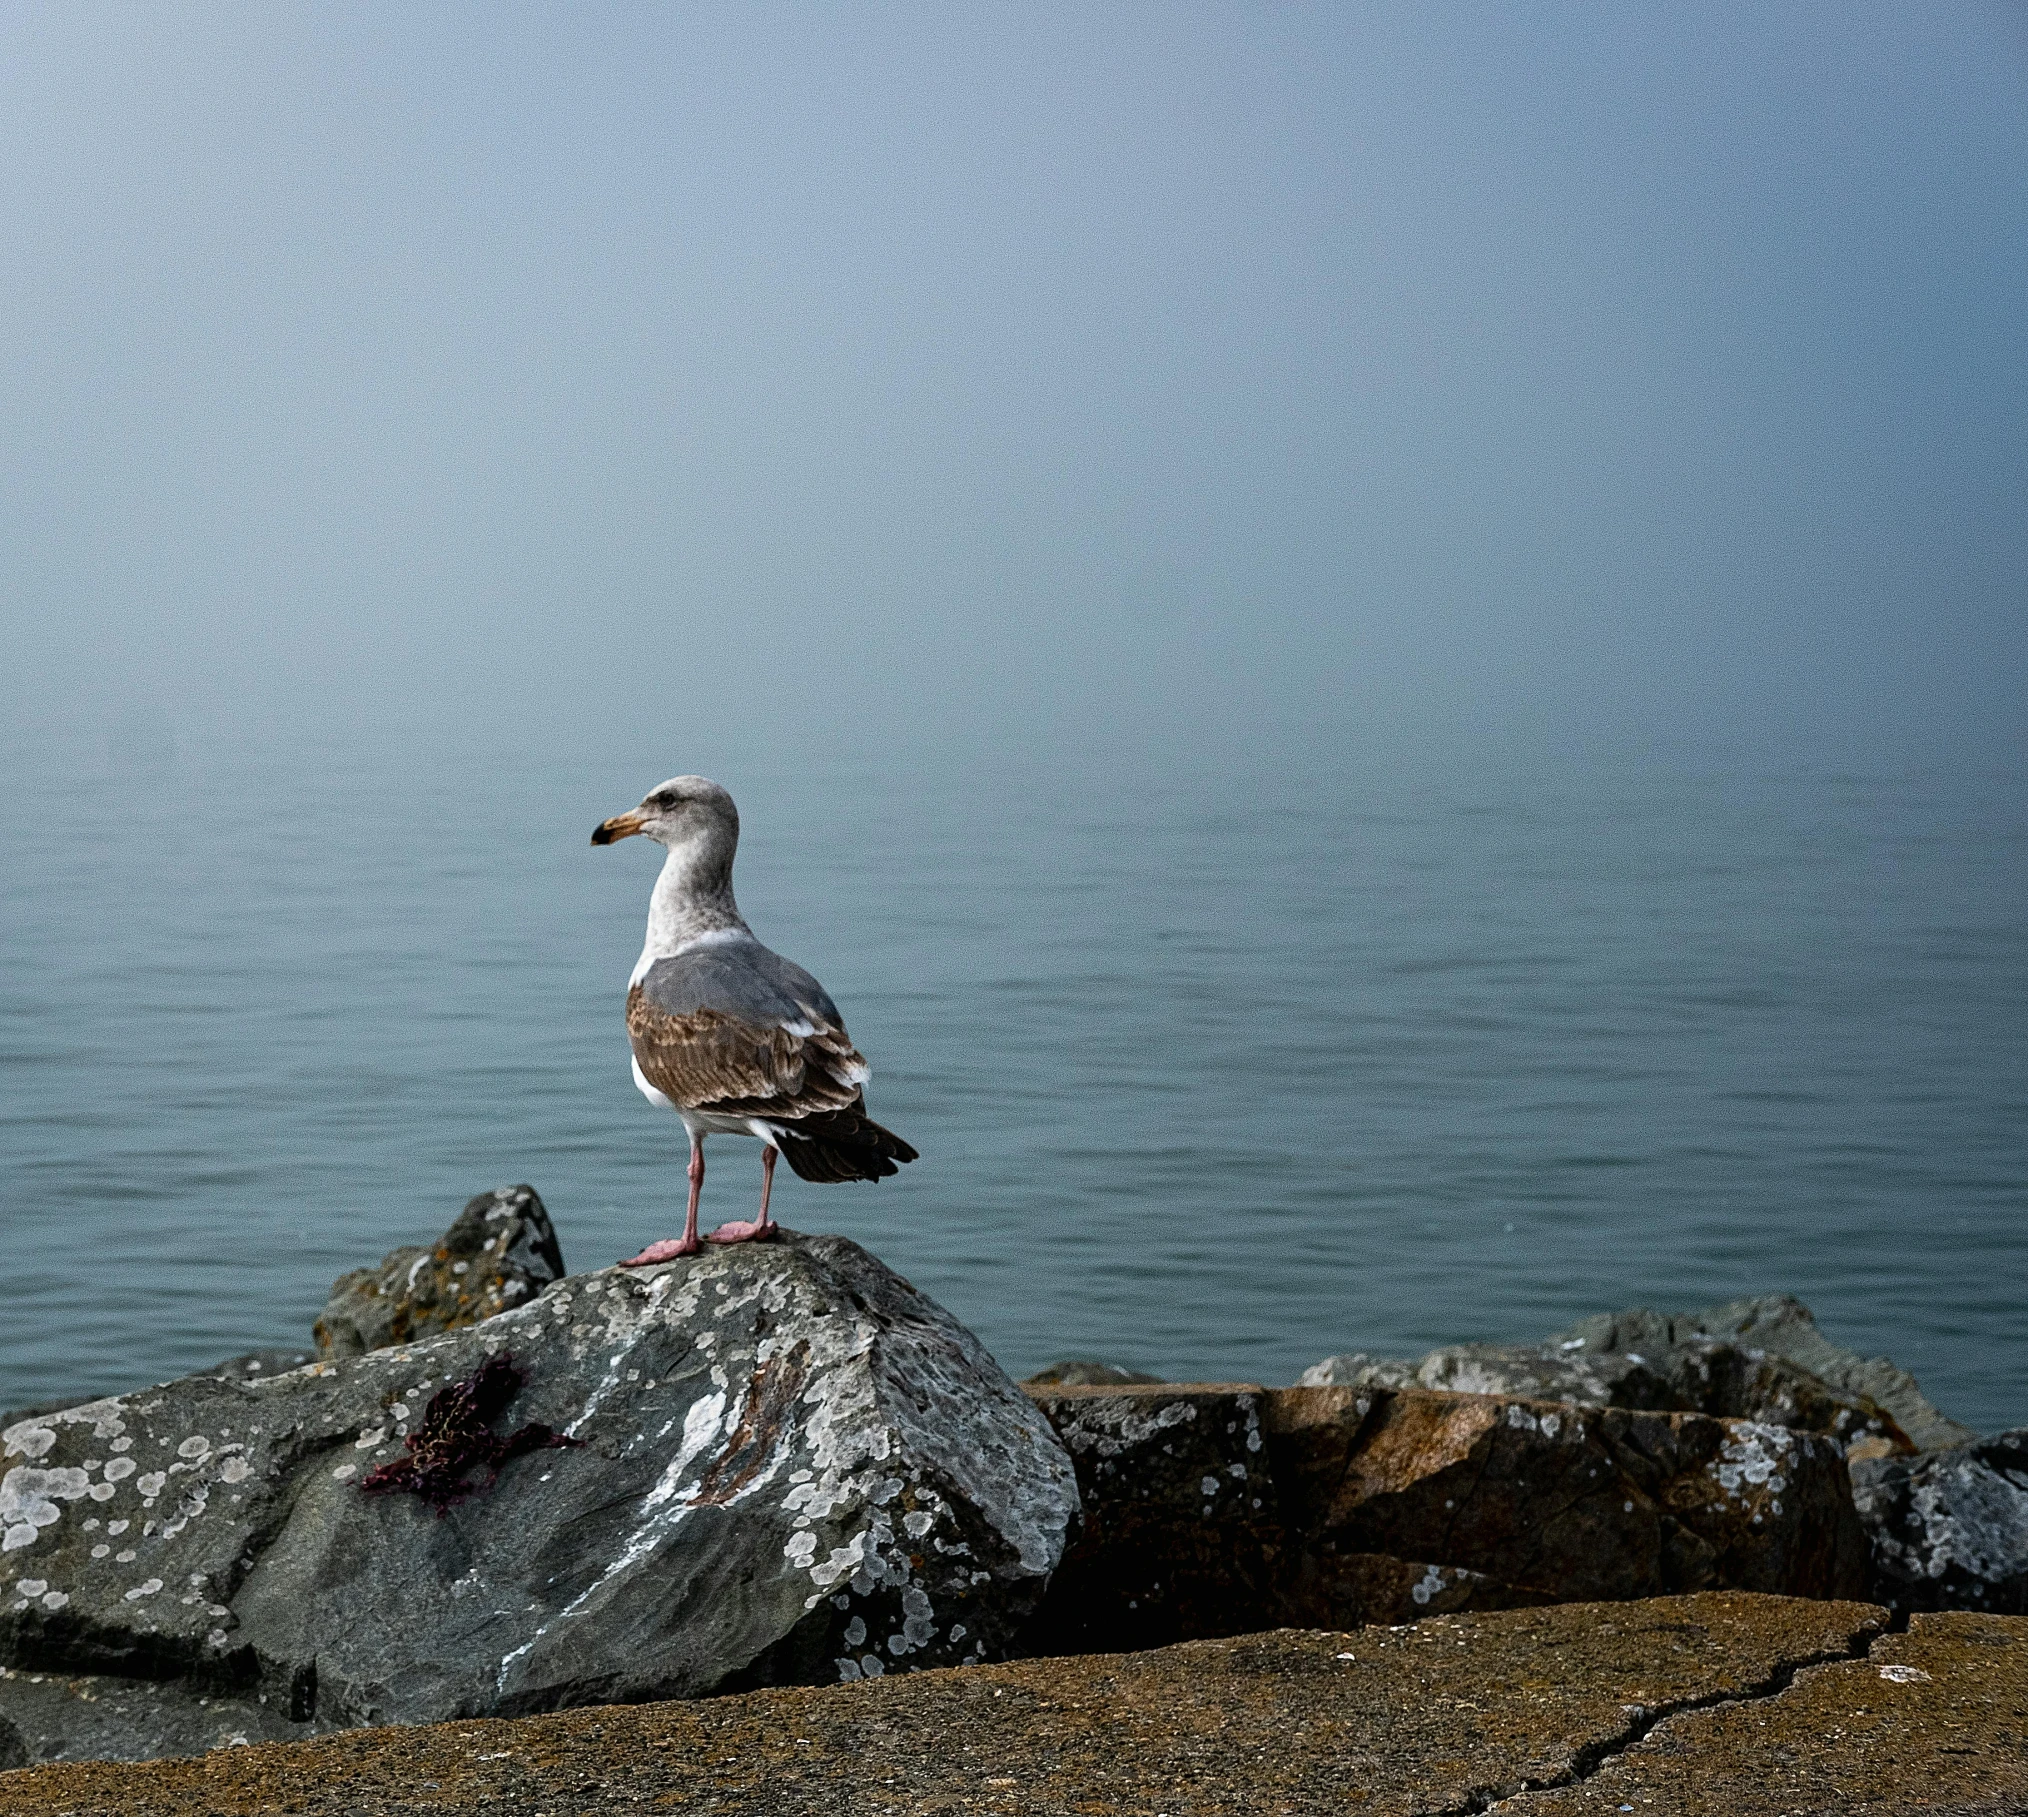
708, 1060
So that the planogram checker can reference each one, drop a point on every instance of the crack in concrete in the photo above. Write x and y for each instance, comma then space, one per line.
1594, 1755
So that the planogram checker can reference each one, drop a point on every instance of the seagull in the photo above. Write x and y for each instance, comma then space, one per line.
732, 1037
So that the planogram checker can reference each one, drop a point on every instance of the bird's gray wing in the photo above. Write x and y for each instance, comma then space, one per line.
737, 1029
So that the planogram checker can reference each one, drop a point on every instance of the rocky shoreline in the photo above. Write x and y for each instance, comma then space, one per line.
778, 1465
1752, 1706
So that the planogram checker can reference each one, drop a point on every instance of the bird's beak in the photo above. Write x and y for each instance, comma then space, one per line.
619, 827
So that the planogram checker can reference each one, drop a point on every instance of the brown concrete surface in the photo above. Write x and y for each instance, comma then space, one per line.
1932, 1721
1444, 1716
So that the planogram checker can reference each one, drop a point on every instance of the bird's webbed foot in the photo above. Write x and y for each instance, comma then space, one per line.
744, 1233
667, 1250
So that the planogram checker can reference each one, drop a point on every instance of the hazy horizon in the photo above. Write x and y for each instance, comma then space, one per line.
1180, 386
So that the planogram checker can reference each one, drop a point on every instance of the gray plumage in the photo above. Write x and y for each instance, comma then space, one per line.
738, 977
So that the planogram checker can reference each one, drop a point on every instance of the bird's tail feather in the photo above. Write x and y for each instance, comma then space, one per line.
843, 1145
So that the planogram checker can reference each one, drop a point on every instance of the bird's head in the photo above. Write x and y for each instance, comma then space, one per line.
685, 810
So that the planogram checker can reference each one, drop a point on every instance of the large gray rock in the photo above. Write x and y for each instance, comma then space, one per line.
243, 1367
792, 1467
81, 1716
1949, 1529
1534, 1372
1777, 1327
1759, 1359
500, 1252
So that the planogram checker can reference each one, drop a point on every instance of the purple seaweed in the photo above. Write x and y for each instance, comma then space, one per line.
455, 1436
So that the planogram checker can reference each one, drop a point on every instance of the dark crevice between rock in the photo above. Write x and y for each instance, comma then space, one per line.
1594, 1755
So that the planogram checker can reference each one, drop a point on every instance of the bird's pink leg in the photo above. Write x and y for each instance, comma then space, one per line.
668, 1249
763, 1226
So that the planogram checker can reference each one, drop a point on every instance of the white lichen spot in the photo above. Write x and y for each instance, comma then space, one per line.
918, 1621
123, 1444
125, 1558
148, 1587
117, 1527
1904, 1675
870, 1664
55, 1599
120, 1469
801, 1549
236, 1470
844, 1561
32, 1586
344, 1473
28, 1499
196, 1445
1752, 1457
29, 1439
102, 1551
1432, 1582
917, 1522
855, 1632
150, 1484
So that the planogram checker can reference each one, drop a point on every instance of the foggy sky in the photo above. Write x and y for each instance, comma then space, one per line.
1035, 379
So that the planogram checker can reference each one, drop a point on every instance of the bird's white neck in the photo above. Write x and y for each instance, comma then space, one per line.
692, 903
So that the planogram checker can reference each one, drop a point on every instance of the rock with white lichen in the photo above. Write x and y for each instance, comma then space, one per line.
1182, 1529
1950, 1528
1213, 1510
771, 1463
1085, 1372
1555, 1501
500, 1252
1760, 1359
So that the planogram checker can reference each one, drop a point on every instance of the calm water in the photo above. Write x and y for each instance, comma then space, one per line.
1207, 1082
